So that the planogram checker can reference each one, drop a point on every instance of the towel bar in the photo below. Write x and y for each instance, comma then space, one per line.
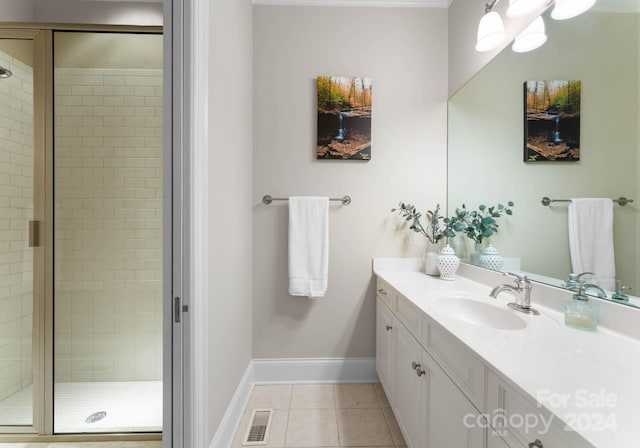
622, 201
267, 199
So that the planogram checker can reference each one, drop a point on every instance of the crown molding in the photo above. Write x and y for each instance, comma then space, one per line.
367, 3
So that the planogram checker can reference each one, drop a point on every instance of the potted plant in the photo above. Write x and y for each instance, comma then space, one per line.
435, 229
479, 225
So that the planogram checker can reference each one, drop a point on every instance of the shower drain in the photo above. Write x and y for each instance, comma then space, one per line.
96, 417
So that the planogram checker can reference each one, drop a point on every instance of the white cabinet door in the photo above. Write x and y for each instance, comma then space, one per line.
453, 421
385, 335
411, 389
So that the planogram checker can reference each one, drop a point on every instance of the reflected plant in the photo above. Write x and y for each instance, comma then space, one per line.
480, 224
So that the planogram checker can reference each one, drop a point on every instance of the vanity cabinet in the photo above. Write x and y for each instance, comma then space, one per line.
429, 407
442, 392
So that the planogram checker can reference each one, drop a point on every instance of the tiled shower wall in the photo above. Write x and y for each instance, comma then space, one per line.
16, 209
108, 225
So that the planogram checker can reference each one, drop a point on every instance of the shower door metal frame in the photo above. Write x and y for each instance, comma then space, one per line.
43, 309
42, 212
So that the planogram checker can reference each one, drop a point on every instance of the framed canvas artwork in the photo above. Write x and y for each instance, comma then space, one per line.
344, 118
552, 121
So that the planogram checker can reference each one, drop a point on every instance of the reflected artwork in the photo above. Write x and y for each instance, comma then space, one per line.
344, 118
552, 123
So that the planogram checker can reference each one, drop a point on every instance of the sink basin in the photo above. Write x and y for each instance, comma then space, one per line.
479, 313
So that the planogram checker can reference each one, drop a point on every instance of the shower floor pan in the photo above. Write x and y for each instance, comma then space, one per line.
124, 407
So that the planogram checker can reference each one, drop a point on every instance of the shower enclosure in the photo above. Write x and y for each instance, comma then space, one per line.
81, 187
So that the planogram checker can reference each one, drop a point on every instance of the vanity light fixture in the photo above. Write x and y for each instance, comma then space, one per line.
491, 31
531, 37
567, 9
520, 8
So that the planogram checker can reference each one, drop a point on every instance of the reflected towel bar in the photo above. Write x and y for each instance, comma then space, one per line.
267, 199
622, 201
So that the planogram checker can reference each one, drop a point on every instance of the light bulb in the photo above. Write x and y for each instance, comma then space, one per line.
490, 32
531, 37
566, 9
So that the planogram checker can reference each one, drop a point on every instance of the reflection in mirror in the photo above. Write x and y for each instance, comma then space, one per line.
486, 138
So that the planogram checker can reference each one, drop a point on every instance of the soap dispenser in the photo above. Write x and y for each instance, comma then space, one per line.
581, 313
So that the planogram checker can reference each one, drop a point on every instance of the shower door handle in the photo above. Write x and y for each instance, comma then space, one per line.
34, 233
176, 309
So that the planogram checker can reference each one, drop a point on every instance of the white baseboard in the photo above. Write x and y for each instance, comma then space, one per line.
290, 371
315, 370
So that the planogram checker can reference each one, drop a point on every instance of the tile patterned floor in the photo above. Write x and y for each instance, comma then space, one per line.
325, 415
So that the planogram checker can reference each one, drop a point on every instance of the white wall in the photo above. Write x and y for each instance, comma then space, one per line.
17, 10
404, 51
486, 139
230, 140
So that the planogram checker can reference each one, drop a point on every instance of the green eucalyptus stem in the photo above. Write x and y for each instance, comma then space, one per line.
434, 230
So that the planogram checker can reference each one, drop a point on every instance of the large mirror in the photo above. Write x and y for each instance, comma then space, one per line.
486, 136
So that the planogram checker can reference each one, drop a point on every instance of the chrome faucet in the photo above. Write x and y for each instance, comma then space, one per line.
584, 287
521, 289
573, 281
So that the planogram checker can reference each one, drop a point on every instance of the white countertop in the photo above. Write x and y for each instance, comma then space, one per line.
544, 359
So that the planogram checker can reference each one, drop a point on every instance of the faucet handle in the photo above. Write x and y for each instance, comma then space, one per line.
619, 294
520, 278
620, 287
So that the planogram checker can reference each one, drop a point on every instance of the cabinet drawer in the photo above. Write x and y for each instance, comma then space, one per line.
410, 315
504, 401
386, 293
462, 366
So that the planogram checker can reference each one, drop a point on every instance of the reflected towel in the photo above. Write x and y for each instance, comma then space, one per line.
591, 239
308, 246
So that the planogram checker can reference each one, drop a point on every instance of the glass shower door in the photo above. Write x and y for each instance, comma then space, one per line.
18, 232
107, 232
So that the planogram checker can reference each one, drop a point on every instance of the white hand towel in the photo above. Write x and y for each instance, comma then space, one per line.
308, 246
591, 239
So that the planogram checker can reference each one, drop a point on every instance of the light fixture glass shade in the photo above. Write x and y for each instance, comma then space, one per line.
490, 32
566, 9
531, 37
520, 8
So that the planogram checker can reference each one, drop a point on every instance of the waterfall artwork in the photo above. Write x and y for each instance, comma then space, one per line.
344, 118
552, 121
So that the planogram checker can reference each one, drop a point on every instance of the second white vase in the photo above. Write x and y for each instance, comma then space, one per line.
491, 259
448, 263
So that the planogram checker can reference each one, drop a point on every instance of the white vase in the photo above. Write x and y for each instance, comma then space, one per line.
474, 258
448, 263
491, 259
431, 263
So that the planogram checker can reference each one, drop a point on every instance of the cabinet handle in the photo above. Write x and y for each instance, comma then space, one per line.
382, 291
388, 327
421, 372
415, 365
536, 444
